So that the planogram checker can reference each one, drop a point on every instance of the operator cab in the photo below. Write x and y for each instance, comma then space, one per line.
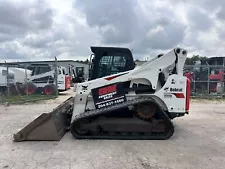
110, 60
39, 69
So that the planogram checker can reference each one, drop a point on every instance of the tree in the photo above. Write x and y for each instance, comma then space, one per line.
86, 61
192, 60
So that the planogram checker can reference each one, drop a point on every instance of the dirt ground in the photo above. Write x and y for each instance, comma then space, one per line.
198, 142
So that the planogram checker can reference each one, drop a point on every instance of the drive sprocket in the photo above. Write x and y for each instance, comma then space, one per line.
145, 110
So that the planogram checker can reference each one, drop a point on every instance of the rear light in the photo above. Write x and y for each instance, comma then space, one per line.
188, 95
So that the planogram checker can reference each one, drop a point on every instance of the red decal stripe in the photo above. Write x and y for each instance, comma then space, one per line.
179, 95
188, 94
113, 77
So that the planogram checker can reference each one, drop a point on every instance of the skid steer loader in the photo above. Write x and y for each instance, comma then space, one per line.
120, 101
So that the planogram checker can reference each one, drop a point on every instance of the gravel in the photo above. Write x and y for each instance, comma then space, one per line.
198, 142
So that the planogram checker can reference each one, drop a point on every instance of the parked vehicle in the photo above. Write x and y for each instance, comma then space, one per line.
43, 79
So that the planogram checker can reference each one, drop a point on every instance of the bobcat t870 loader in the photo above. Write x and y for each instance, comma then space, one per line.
120, 101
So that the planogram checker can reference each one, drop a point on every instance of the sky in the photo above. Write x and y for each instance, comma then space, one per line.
44, 29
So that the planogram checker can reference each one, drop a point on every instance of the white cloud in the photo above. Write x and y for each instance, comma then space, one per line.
43, 29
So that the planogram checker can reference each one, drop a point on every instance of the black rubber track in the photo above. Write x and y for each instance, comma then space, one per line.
124, 135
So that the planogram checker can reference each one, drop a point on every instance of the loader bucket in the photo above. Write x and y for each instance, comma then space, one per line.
48, 126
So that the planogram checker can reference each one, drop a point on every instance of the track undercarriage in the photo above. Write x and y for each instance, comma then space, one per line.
146, 120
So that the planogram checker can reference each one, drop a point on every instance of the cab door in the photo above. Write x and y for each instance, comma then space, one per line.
61, 79
110, 60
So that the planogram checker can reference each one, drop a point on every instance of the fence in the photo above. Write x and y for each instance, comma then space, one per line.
28, 82
206, 80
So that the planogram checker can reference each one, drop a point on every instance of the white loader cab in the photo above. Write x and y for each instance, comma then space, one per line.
43, 80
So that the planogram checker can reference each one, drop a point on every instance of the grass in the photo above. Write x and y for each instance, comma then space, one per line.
15, 99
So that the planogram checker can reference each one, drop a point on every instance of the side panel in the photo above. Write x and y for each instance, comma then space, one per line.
61, 81
174, 94
188, 95
67, 82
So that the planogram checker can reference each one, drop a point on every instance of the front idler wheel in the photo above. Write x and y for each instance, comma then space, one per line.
77, 128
